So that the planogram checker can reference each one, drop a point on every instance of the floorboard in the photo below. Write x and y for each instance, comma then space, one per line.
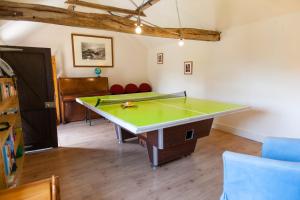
93, 166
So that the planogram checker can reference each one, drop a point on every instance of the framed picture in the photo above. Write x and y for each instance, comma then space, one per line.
160, 58
188, 67
92, 51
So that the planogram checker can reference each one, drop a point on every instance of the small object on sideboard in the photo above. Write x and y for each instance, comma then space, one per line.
98, 71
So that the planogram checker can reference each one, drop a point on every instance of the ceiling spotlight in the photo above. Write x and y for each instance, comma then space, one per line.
181, 42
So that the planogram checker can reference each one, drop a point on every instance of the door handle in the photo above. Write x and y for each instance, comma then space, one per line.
50, 104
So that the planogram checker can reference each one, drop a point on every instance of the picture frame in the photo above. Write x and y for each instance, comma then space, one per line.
92, 51
160, 58
188, 67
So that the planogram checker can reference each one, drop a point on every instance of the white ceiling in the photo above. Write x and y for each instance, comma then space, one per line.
163, 13
208, 14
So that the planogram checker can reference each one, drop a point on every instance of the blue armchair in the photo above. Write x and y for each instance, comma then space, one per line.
274, 176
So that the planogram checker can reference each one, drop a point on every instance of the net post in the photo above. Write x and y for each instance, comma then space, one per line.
98, 102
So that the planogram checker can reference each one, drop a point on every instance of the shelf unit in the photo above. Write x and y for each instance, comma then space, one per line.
12, 137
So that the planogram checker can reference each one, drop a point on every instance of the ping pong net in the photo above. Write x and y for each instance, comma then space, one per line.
138, 99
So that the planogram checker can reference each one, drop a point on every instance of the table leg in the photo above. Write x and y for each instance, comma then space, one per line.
90, 117
86, 115
154, 157
160, 139
119, 133
155, 150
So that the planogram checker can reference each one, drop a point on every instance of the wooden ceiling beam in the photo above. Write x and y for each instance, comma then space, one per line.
104, 7
61, 16
147, 5
144, 6
11, 13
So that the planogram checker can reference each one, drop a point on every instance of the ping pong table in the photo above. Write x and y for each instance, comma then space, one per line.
169, 127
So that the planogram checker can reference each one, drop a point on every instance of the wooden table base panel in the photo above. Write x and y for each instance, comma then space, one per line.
171, 153
178, 141
169, 144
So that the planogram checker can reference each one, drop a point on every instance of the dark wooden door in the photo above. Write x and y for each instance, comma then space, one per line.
32, 67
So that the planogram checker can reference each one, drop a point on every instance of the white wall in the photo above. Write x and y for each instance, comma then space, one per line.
129, 54
256, 64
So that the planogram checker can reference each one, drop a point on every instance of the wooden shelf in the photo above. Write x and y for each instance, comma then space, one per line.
6, 80
20, 162
4, 135
11, 119
11, 180
18, 140
13, 177
18, 173
8, 103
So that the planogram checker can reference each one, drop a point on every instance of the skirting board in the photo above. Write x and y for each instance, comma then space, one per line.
238, 132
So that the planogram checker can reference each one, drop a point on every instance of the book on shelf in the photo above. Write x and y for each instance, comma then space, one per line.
9, 111
9, 155
6, 154
7, 90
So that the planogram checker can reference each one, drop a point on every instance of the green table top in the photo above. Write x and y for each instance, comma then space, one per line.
160, 113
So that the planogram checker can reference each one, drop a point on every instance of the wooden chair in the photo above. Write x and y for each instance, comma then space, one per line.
131, 88
145, 87
47, 189
116, 89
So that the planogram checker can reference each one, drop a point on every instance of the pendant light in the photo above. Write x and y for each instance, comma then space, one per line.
138, 28
181, 40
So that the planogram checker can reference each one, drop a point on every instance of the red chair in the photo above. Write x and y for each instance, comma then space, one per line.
116, 89
145, 87
131, 88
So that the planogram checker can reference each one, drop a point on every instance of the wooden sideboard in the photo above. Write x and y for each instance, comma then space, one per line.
71, 88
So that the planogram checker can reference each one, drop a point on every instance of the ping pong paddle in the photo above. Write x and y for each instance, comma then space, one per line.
128, 104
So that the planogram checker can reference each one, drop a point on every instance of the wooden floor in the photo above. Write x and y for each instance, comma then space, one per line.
92, 165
